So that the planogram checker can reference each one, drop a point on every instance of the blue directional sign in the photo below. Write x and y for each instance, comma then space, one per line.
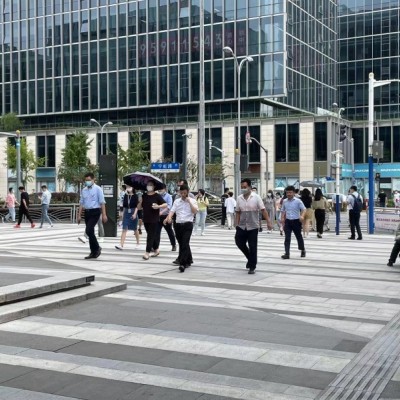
164, 168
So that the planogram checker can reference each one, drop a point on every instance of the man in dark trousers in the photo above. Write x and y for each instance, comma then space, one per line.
185, 209
354, 204
223, 208
24, 208
92, 200
292, 216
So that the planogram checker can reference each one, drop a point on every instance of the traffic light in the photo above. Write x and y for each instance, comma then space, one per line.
342, 133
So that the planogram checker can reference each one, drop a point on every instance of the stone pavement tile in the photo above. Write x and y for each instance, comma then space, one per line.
190, 362
391, 391
351, 346
147, 392
35, 341
91, 388
273, 373
9, 372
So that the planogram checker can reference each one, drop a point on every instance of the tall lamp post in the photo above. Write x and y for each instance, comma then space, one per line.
250, 139
101, 133
17, 136
372, 84
239, 67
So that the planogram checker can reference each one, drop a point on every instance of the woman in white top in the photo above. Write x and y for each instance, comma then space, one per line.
230, 204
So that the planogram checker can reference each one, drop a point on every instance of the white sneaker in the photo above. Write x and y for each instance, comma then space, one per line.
50, 226
119, 247
100, 239
202, 233
82, 239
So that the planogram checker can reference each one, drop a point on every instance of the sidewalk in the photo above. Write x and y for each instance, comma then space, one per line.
321, 327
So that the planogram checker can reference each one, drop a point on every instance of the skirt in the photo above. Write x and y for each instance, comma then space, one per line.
128, 223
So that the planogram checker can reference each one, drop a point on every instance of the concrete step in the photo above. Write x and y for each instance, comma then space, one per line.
37, 305
42, 287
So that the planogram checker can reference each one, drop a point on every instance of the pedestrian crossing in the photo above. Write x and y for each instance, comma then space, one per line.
211, 333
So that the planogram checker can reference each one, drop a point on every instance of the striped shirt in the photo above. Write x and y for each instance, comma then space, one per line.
249, 211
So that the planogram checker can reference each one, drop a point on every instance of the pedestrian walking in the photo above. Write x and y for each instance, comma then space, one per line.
151, 204
24, 208
355, 203
45, 199
185, 209
201, 215
320, 206
382, 198
93, 202
223, 207
121, 204
278, 206
163, 216
308, 216
10, 203
269, 203
396, 248
292, 216
130, 203
230, 205
248, 207
396, 199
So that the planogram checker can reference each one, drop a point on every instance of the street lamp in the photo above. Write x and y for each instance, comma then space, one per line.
239, 66
101, 133
17, 136
372, 84
250, 139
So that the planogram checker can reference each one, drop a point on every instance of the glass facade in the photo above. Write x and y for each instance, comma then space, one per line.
137, 62
369, 42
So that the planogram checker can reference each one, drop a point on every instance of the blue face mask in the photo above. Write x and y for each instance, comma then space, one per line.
88, 183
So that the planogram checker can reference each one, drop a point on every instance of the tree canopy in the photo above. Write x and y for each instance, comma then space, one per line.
10, 122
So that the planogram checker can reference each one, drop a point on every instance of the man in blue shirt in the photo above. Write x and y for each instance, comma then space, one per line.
92, 201
292, 215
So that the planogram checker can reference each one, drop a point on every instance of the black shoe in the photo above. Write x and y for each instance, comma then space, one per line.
351, 238
247, 266
285, 256
389, 264
91, 255
259, 229
140, 231
173, 248
176, 262
252, 271
182, 268
359, 238
97, 254
303, 253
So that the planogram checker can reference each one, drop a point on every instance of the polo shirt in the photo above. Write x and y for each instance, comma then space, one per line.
92, 197
293, 208
249, 209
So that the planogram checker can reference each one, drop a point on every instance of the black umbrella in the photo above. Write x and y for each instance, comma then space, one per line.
138, 180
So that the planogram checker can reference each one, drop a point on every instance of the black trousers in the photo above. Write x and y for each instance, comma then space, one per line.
320, 220
152, 242
293, 225
223, 216
91, 219
24, 211
183, 233
354, 219
168, 228
246, 241
395, 251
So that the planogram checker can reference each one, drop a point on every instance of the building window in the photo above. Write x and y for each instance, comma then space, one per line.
385, 135
110, 140
213, 155
358, 136
174, 145
321, 141
396, 144
280, 143
46, 149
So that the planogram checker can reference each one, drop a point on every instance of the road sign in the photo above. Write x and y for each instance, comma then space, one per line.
165, 168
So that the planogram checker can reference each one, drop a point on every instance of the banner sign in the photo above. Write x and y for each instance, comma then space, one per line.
361, 170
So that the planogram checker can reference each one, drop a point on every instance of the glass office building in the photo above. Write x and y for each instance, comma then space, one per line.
137, 62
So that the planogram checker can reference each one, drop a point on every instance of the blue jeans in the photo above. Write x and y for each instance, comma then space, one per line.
10, 215
45, 216
201, 220
246, 241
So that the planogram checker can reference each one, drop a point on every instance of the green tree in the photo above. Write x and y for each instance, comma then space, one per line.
135, 158
29, 162
10, 122
75, 162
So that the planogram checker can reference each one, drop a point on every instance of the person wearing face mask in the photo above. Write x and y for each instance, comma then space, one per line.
201, 215
129, 216
184, 208
93, 202
163, 215
248, 207
151, 204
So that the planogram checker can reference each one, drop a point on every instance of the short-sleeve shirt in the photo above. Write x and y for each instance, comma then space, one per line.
292, 208
130, 201
183, 210
46, 197
10, 200
92, 197
249, 211
24, 196
351, 198
151, 215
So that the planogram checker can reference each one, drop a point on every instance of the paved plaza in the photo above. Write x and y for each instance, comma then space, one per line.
322, 327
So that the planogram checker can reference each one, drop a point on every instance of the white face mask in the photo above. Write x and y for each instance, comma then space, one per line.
129, 190
150, 188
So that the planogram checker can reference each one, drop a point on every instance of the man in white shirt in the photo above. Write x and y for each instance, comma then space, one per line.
185, 209
45, 199
230, 205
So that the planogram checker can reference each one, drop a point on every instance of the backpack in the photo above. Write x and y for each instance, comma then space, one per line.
358, 204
